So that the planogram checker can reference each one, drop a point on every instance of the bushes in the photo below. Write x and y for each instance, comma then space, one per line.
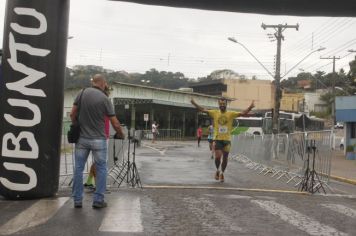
350, 148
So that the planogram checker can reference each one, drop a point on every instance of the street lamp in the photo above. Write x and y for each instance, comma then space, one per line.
232, 39
317, 50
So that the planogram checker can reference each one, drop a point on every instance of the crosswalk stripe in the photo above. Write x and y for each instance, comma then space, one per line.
124, 215
39, 213
302, 222
199, 206
341, 209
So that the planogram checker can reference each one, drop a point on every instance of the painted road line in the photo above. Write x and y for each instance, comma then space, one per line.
302, 222
124, 215
228, 196
224, 188
156, 149
341, 209
37, 214
199, 208
337, 195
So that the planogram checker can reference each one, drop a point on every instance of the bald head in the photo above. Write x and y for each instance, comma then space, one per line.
99, 81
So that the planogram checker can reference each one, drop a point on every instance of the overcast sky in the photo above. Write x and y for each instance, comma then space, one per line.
136, 38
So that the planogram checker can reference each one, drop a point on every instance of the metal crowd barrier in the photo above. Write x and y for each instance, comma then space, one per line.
283, 156
117, 161
163, 134
117, 152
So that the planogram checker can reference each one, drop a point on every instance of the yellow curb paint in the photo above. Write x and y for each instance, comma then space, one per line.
225, 188
342, 179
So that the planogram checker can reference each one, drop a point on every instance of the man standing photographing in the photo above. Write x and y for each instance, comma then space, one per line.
94, 106
222, 120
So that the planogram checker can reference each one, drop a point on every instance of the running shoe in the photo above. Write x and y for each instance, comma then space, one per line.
217, 175
98, 205
86, 185
221, 178
78, 204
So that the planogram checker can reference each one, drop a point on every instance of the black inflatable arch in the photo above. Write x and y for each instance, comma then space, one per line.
31, 97
33, 69
275, 7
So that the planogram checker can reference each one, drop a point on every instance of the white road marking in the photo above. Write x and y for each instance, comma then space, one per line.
266, 197
341, 209
302, 222
200, 207
124, 215
338, 195
229, 196
37, 214
156, 149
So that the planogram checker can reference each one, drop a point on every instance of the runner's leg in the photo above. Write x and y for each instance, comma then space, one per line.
224, 161
218, 155
212, 149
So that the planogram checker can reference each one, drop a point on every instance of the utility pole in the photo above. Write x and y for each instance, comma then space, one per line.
277, 78
334, 58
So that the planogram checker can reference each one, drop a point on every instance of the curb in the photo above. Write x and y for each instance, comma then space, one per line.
342, 179
224, 188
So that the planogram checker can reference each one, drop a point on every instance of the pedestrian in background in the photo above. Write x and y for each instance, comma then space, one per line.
211, 139
94, 106
199, 134
154, 131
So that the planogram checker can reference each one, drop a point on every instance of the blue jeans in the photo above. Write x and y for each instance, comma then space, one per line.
98, 148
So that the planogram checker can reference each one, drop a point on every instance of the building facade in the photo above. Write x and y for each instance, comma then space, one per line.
293, 102
171, 109
346, 112
243, 91
314, 102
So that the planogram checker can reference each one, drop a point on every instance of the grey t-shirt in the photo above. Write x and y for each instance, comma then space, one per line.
95, 105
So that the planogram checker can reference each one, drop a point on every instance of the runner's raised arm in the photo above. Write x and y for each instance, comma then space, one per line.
245, 112
200, 108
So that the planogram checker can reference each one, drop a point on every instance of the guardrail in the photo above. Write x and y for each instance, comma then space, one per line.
284, 156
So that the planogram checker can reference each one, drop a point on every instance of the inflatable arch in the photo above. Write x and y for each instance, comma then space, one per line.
31, 97
33, 69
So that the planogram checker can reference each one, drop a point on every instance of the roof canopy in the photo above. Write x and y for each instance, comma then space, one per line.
275, 7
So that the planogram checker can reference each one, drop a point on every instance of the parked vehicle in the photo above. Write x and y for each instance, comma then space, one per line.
251, 125
339, 125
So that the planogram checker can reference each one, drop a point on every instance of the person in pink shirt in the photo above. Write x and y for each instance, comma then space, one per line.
199, 134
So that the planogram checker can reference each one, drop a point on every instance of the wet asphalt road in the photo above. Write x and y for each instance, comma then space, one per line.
182, 198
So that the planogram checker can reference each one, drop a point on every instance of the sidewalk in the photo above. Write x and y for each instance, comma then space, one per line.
342, 169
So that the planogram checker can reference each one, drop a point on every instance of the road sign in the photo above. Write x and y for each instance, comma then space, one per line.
145, 117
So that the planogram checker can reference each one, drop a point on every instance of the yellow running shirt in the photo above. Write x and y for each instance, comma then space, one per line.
223, 123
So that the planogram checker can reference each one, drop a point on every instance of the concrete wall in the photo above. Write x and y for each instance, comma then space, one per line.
244, 91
